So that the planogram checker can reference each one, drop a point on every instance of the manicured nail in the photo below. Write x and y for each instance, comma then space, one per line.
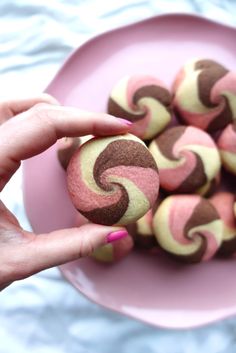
118, 234
124, 121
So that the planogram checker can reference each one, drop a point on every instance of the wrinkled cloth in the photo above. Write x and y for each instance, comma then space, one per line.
44, 313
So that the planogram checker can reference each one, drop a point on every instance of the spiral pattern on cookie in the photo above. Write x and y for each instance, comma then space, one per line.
210, 187
205, 95
227, 147
188, 227
142, 231
224, 204
113, 180
187, 158
145, 101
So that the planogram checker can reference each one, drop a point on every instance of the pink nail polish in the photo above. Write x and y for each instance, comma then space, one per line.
119, 234
124, 121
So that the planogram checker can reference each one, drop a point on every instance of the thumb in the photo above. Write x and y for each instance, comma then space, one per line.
58, 247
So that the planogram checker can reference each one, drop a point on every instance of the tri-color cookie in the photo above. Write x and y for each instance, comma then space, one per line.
145, 101
224, 204
188, 159
115, 251
227, 147
113, 180
210, 187
142, 232
205, 95
188, 227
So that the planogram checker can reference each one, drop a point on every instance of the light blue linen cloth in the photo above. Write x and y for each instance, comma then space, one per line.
44, 314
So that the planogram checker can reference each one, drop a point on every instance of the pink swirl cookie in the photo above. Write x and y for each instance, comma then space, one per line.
114, 252
224, 204
113, 180
210, 187
187, 158
205, 95
142, 232
188, 227
227, 147
145, 101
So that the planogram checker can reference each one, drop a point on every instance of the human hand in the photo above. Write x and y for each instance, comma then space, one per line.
28, 127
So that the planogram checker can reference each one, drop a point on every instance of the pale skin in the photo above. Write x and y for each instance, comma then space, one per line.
27, 128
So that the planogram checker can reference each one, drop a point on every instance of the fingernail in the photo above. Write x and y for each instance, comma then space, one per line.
125, 122
118, 234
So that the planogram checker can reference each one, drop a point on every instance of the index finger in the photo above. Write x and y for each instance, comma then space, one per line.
12, 107
37, 129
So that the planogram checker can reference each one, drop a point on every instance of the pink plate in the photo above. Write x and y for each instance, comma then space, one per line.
152, 289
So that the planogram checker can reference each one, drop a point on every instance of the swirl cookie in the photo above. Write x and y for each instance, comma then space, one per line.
114, 252
188, 227
187, 158
224, 204
210, 187
205, 95
142, 232
145, 101
113, 180
227, 147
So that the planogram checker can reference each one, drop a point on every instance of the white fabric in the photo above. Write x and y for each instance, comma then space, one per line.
44, 313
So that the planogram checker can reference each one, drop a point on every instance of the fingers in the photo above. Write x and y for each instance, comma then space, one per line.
37, 129
48, 250
4, 285
11, 108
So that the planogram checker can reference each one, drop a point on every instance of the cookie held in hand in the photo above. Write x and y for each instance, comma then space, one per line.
113, 180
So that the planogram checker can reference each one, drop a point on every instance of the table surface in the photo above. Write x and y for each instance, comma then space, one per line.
44, 313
